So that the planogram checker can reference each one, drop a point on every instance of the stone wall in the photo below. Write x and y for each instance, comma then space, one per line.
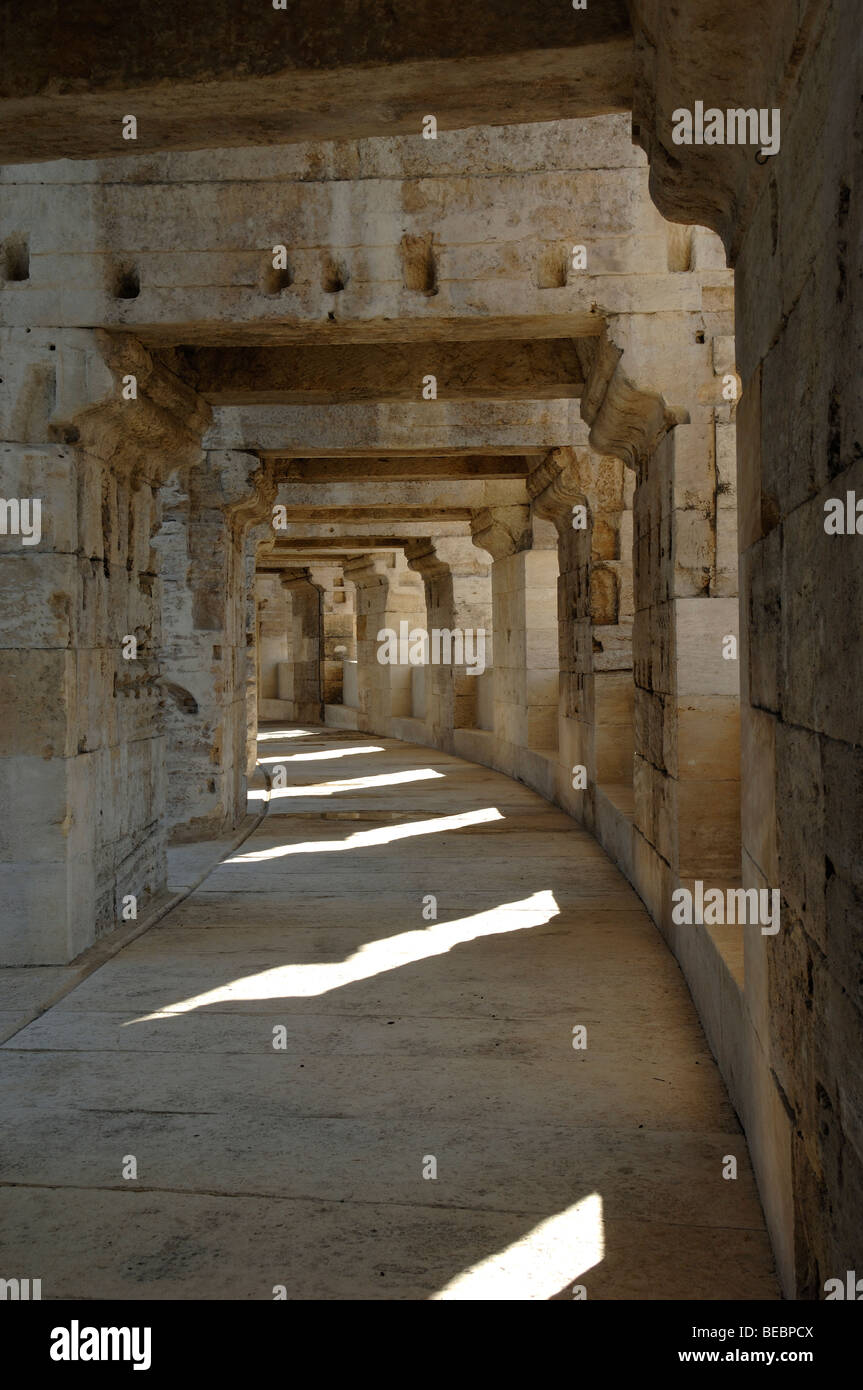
800, 426
84, 742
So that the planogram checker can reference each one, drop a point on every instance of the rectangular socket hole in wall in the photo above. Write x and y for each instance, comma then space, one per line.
334, 277
273, 281
679, 246
15, 259
217, 653
419, 270
127, 283
552, 268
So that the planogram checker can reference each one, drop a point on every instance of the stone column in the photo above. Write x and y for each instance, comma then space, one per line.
458, 598
686, 753
524, 622
305, 605
337, 628
388, 593
254, 535
585, 495
273, 644
82, 744
204, 544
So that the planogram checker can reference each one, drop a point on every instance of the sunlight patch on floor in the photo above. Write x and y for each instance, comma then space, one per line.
355, 784
375, 958
542, 1263
362, 839
268, 734
325, 755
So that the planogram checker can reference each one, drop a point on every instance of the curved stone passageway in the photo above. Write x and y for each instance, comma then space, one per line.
407, 1038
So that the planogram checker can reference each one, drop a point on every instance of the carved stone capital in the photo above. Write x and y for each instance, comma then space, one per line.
441, 556
502, 531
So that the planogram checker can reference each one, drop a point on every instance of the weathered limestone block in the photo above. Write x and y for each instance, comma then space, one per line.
702, 627
708, 846
583, 494
761, 653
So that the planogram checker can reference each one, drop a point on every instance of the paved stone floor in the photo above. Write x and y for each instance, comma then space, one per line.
406, 1039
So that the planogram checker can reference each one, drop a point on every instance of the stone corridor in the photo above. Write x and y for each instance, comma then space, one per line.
430, 578
406, 1038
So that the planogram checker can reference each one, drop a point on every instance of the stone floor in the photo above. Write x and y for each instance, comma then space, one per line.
406, 1039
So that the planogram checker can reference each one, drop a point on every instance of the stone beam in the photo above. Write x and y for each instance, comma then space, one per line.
408, 469
435, 427
394, 245
323, 501
322, 545
351, 534
303, 558
271, 565
391, 515
241, 73
536, 369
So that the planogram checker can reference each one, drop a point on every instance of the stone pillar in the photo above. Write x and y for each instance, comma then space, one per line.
524, 621
82, 745
253, 538
388, 593
48, 872
274, 622
204, 544
586, 495
686, 749
458, 597
338, 638
305, 604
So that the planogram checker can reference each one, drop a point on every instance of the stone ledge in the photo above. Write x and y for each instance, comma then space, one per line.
340, 717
